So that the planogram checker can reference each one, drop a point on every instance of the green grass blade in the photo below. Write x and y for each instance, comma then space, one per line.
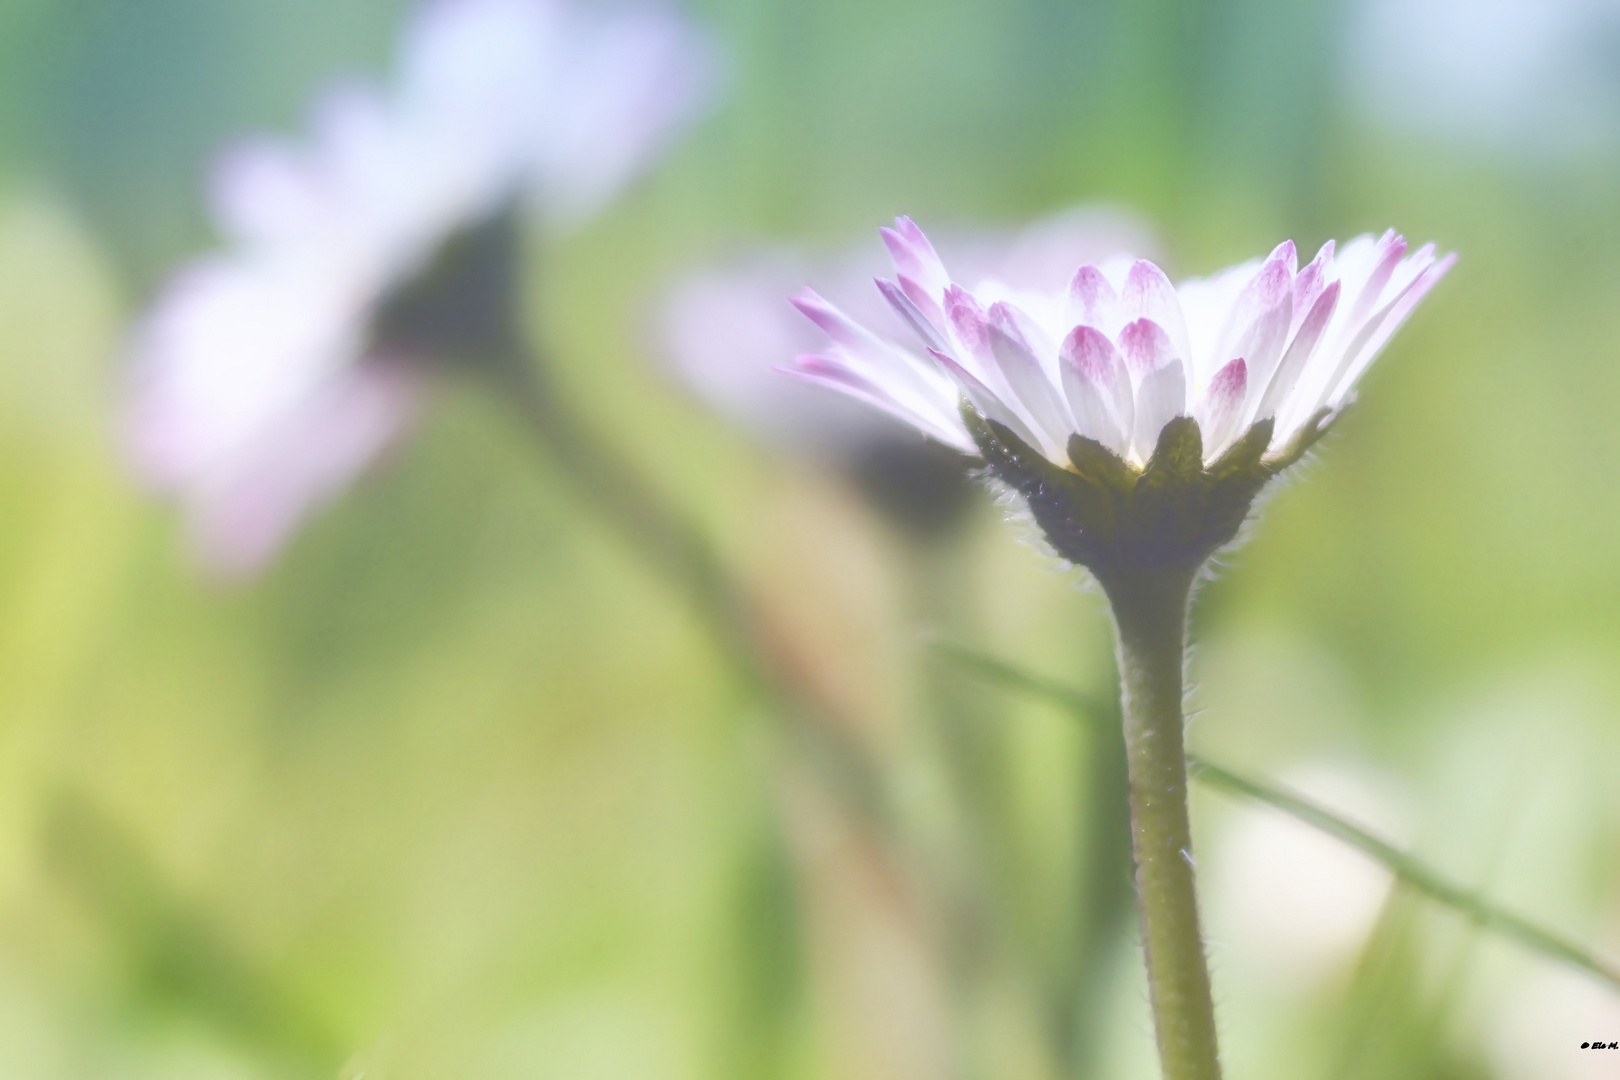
1409, 870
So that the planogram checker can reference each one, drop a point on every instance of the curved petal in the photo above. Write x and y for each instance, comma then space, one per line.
1397, 312
983, 399
1222, 407
968, 324
829, 372
1271, 286
1031, 387
1097, 387
920, 324
1391, 247
1308, 285
1147, 347
1148, 294
1092, 300
1261, 347
914, 256
1298, 356
1161, 397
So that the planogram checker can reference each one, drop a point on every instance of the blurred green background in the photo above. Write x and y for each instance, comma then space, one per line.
459, 789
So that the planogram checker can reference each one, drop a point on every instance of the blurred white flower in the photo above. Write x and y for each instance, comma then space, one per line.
1114, 352
725, 330
258, 388
1526, 75
1286, 901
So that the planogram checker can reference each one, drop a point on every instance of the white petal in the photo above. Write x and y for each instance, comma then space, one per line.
914, 256
1032, 389
1387, 255
908, 311
833, 372
1161, 397
1261, 348
1222, 407
1097, 387
232, 345
246, 508
1271, 286
1309, 283
1148, 294
985, 401
1275, 396
904, 376
1399, 309
1092, 301
1146, 348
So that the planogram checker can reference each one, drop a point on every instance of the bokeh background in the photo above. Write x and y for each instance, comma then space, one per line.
459, 788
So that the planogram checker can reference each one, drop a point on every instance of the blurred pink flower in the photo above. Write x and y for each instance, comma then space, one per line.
255, 391
1113, 352
725, 330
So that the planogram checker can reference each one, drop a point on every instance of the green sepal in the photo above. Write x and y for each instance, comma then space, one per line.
1244, 456
1076, 513
1235, 478
1095, 461
1116, 520
1307, 437
1170, 500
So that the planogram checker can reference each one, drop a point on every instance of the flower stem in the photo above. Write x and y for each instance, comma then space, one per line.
1150, 619
1409, 869
678, 551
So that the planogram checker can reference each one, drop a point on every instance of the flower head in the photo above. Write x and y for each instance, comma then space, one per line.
1139, 418
260, 384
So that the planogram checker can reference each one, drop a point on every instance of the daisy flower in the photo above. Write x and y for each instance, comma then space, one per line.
1073, 391
1138, 420
261, 381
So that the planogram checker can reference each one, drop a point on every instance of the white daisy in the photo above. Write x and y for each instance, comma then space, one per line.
258, 386
1115, 352
1076, 392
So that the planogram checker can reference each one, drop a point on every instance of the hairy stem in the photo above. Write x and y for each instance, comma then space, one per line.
1150, 618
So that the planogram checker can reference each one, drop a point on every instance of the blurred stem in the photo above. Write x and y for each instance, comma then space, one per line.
1408, 869
974, 917
1078, 1001
677, 550
1150, 619
615, 489
176, 951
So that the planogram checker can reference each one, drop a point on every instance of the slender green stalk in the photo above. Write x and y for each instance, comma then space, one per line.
1150, 619
676, 549
1408, 869
1106, 896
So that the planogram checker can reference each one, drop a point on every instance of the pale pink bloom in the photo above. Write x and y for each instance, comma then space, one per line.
255, 393
726, 329
1114, 351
